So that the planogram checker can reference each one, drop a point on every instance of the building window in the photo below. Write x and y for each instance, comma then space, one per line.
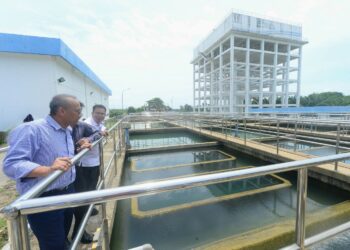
258, 23
237, 18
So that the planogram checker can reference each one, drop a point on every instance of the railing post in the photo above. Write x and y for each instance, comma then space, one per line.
103, 206
278, 136
337, 146
24, 232
15, 234
245, 131
115, 150
301, 207
295, 135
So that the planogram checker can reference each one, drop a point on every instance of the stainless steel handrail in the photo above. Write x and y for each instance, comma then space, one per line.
37, 205
4, 149
52, 203
17, 222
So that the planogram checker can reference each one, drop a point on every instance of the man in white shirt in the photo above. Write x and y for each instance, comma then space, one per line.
88, 172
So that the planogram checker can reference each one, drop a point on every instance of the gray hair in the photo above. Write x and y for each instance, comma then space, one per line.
58, 101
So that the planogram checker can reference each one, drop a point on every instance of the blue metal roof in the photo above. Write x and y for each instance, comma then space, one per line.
315, 109
48, 46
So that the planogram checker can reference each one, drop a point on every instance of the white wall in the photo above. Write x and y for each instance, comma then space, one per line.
80, 86
28, 82
26, 86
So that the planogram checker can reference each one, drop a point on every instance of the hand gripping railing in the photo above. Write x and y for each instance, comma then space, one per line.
17, 223
37, 205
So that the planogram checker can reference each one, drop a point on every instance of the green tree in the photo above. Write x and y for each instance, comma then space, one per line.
115, 112
131, 109
156, 104
325, 99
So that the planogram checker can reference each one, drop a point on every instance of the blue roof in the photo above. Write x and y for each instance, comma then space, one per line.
48, 46
315, 109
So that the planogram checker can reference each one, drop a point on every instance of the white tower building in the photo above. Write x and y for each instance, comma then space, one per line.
247, 62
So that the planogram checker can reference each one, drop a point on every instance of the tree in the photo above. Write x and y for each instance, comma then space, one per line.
115, 112
156, 104
186, 108
131, 109
325, 99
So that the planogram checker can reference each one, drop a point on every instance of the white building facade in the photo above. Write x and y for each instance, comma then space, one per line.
248, 62
34, 69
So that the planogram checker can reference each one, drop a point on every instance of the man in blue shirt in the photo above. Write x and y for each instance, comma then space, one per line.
37, 149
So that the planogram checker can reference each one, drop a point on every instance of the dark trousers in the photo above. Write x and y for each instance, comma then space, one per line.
51, 228
85, 180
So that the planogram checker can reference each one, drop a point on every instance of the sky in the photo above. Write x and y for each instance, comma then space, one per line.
144, 47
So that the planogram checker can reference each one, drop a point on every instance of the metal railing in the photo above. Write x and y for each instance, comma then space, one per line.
28, 203
17, 222
36, 205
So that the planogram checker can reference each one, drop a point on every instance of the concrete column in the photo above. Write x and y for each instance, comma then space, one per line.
286, 82
194, 86
299, 77
274, 77
211, 82
247, 63
205, 87
232, 70
220, 79
261, 85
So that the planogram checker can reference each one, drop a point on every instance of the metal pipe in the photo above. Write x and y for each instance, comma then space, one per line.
278, 136
337, 146
301, 207
14, 229
114, 151
103, 206
76, 240
4, 149
24, 232
245, 131
73, 200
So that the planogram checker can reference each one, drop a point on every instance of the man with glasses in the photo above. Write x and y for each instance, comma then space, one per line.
90, 163
37, 149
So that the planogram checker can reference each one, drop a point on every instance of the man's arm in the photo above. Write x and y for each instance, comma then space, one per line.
91, 134
24, 142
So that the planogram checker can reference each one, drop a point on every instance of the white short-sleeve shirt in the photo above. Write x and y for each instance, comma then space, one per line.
92, 158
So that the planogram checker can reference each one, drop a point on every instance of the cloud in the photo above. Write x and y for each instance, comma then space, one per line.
147, 45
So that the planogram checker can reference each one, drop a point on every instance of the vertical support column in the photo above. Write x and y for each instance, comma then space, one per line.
299, 77
104, 205
301, 207
247, 68
194, 86
286, 80
24, 232
211, 83
199, 83
278, 137
261, 85
274, 77
14, 229
232, 70
337, 146
220, 79
205, 87
115, 151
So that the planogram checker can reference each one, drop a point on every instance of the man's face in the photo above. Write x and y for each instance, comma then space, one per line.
72, 113
99, 115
